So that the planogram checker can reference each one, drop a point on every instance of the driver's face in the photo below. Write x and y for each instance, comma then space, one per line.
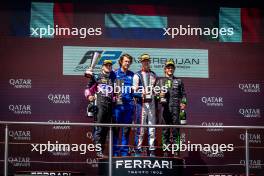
107, 68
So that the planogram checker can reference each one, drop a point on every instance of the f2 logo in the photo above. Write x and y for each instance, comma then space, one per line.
107, 55
88, 56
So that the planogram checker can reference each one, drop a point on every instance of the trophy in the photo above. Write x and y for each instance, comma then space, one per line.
120, 84
89, 71
91, 108
146, 83
162, 95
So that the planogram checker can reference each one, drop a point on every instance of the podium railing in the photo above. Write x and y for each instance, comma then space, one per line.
110, 126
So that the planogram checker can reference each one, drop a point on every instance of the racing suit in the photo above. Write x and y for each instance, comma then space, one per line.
171, 109
145, 109
123, 113
104, 101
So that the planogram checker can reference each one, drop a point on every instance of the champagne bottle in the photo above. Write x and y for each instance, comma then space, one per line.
182, 117
184, 100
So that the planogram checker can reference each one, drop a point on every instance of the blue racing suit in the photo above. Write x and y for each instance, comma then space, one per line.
123, 113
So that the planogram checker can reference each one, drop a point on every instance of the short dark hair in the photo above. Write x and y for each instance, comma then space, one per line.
122, 57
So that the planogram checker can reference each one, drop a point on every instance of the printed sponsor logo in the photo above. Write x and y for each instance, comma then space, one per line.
19, 161
104, 55
222, 174
213, 101
93, 162
135, 164
213, 124
62, 153
59, 98
253, 164
250, 112
21, 83
20, 109
211, 154
252, 137
60, 127
189, 62
51, 173
19, 134
249, 88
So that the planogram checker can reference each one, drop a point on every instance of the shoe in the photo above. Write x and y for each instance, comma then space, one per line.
152, 153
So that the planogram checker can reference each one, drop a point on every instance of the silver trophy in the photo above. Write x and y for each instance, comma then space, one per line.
95, 59
91, 107
146, 82
162, 95
120, 84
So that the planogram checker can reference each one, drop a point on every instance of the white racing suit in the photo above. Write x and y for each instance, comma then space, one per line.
145, 109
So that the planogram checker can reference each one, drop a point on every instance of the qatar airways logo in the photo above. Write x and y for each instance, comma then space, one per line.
60, 127
249, 88
20, 83
250, 113
93, 162
59, 98
253, 164
19, 135
252, 137
213, 101
20, 109
61, 153
19, 161
212, 154
213, 124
